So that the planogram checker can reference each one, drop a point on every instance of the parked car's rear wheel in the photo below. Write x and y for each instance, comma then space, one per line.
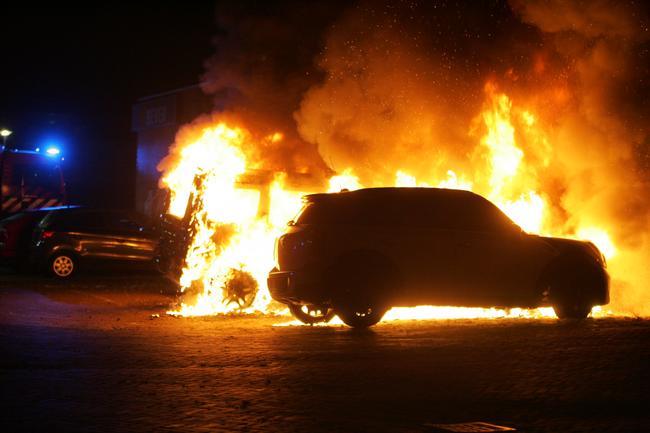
63, 265
311, 314
361, 316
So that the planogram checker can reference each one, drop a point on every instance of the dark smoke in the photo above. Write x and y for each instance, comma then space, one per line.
263, 64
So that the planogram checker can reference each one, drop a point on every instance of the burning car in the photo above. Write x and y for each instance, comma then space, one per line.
357, 254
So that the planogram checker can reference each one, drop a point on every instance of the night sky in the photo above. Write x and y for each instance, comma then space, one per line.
71, 74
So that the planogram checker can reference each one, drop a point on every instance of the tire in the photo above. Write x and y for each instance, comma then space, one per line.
361, 317
311, 314
63, 265
364, 282
572, 310
569, 290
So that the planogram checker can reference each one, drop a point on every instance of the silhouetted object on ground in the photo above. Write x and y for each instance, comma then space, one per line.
359, 253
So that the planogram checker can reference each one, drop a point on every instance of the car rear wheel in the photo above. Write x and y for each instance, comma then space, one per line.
361, 316
311, 314
63, 265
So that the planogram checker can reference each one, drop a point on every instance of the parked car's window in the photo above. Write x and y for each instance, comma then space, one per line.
125, 223
74, 221
47, 220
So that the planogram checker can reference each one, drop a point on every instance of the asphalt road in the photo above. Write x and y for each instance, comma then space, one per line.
89, 356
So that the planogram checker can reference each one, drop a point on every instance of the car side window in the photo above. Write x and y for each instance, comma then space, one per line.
480, 216
126, 223
81, 221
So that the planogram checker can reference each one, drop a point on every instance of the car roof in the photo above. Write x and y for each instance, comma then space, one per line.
48, 209
388, 193
83, 209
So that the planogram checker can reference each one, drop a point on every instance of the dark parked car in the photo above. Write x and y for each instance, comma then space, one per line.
356, 254
66, 239
16, 236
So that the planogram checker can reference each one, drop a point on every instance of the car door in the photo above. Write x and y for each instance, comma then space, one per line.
94, 234
406, 230
135, 238
499, 264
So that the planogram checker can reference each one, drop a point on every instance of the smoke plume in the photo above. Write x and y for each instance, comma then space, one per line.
601, 130
262, 65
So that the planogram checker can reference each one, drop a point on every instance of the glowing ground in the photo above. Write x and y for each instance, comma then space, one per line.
93, 356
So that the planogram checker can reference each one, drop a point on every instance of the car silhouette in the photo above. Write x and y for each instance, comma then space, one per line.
67, 239
359, 253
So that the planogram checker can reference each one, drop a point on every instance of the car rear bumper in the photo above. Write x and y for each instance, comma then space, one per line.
601, 283
296, 287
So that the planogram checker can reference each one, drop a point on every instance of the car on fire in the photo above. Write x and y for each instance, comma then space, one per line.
67, 239
358, 253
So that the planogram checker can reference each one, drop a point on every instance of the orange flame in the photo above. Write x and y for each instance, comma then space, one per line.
234, 233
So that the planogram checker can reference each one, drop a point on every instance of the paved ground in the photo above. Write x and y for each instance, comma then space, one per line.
89, 356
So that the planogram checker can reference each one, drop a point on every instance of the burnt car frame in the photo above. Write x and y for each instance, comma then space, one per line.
359, 253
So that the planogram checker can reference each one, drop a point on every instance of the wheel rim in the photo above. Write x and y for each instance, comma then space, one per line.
361, 316
62, 266
364, 312
312, 313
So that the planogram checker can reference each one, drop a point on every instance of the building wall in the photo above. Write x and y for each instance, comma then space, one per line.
156, 119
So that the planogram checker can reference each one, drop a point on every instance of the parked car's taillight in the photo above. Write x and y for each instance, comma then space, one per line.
46, 234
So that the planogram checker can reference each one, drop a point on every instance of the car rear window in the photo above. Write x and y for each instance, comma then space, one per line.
328, 212
350, 211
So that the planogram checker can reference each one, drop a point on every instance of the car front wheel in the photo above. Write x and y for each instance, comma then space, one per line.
63, 265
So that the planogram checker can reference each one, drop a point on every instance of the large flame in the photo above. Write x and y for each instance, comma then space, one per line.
234, 223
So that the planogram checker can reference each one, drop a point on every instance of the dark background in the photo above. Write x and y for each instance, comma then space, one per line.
70, 75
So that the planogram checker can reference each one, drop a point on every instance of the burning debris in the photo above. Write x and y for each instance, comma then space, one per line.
540, 125
239, 288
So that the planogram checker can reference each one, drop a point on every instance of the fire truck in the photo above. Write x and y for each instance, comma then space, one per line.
30, 180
